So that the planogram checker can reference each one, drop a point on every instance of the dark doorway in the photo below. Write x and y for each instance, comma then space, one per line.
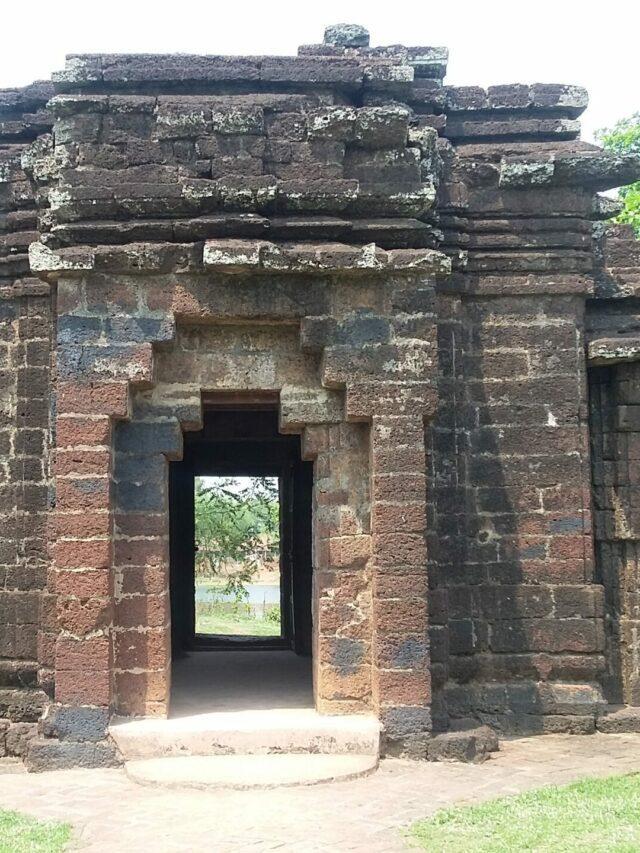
240, 451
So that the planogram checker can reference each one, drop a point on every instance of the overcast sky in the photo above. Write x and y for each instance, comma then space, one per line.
490, 41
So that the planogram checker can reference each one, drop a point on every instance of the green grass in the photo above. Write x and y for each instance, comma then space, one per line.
21, 834
216, 620
594, 815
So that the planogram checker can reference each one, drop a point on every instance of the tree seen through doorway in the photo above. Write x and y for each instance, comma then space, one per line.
237, 537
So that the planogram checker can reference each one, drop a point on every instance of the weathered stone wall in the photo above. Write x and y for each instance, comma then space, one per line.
613, 327
518, 637
512, 538
407, 265
25, 355
329, 333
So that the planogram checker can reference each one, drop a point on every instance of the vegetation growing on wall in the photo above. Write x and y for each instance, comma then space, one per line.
624, 138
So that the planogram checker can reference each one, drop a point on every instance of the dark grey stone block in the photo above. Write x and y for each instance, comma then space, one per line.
75, 723
44, 754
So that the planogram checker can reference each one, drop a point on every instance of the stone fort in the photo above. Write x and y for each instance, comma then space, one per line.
400, 296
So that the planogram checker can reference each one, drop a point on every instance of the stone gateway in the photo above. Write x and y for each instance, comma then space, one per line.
419, 281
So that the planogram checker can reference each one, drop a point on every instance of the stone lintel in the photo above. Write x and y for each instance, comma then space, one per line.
606, 351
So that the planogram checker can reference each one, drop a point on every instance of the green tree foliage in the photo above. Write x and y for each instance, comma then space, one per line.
237, 529
624, 138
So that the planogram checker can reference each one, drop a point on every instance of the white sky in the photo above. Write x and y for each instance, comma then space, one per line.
234, 484
490, 41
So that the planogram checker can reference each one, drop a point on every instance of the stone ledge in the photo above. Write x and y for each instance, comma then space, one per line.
234, 256
532, 284
618, 719
605, 351
387, 233
44, 754
252, 255
467, 742
348, 70
598, 170
545, 98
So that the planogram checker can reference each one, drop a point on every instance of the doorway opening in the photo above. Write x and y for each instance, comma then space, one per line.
238, 589
241, 564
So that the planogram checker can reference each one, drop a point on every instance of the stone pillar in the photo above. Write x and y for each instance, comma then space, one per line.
142, 631
81, 575
402, 683
342, 653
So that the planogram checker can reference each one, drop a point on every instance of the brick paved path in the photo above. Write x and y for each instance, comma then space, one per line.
110, 813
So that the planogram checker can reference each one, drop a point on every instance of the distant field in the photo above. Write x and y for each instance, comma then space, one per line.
216, 614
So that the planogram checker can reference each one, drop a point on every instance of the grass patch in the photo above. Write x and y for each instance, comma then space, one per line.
22, 834
593, 815
218, 619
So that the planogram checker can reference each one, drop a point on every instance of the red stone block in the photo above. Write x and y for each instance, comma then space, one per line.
396, 431
83, 654
403, 688
141, 524
83, 523
84, 616
398, 460
387, 518
79, 553
400, 616
398, 488
83, 687
550, 571
75, 431
136, 693
143, 580
111, 292
96, 398
568, 547
82, 494
48, 610
142, 611
83, 583
402, 651
47, 649
82, 462
389, 583
142, 649
349, 551
141, 552
334, 683
315, 440
69, 296
399, 549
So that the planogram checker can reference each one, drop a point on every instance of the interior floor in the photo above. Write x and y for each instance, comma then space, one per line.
207, 681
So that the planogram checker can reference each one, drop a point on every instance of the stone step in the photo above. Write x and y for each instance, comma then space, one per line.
243, 772
617, 719
51, 754
249, 733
